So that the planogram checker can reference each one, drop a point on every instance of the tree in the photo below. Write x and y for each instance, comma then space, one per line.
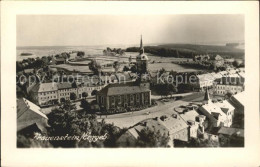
95, 67
81, 54
63, 122
85, 105
161, 71
171, 89
133, 69
150, 138
126, 68
73, 96
85, 94
94, 93
62, 100
116, 66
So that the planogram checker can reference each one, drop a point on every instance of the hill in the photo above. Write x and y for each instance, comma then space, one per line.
188, 50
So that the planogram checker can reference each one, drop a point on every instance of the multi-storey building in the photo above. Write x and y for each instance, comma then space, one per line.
123, 95
44, 93
232, 83
217, 114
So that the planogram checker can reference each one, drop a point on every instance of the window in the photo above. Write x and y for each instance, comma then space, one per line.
131, 97
119, 99
102, 99
112, 99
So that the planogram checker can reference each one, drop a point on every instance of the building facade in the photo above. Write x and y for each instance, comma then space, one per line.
47, 94
123, 95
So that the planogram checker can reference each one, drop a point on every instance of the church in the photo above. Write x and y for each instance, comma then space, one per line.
123, 95
142, 60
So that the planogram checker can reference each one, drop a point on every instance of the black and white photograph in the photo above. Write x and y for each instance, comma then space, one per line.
130, 81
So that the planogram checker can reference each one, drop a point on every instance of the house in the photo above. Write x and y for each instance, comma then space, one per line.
216, 115
217, 60
205, 80
60, 60
192, 118
123, 95
228, 109
232, 83
130, 137
44, 94
231, 137
172, 125
178, 128
65, 90
29, 114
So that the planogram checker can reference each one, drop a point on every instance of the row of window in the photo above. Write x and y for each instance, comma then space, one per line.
47, 98
132, 96
67, 90
47, 93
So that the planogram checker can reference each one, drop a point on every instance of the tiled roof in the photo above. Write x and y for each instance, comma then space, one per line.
64, 85
119, 89
173, 124
190, 115
44, 87
152, 124
28, 113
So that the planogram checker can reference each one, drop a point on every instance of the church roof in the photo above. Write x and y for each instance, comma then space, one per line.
122, 88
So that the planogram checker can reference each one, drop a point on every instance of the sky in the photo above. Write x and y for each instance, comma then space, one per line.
80, 30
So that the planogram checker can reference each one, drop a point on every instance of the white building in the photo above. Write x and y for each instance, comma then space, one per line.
217, 114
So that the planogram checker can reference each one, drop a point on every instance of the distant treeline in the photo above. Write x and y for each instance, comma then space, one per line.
190, 50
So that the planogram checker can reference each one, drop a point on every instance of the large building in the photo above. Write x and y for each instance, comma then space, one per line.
232, 83
172, 125
123, 95
141, 60
46, 94
218, 114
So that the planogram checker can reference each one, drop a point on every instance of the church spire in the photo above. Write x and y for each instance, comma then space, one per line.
141, 46
206, 96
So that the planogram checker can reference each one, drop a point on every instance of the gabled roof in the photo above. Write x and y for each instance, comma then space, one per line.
122, 88
24, 105
28, 114
64, 85
189, 115
44, 87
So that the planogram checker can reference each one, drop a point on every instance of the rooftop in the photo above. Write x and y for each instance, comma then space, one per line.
122, 88
44, 87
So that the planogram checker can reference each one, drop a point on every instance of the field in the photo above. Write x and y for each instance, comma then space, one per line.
188, 50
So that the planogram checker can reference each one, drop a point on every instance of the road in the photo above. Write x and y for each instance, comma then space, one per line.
131, 118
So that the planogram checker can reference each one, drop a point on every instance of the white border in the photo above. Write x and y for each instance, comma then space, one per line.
11, 156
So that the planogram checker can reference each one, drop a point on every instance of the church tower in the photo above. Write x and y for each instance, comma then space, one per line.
141, 60
207, 99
